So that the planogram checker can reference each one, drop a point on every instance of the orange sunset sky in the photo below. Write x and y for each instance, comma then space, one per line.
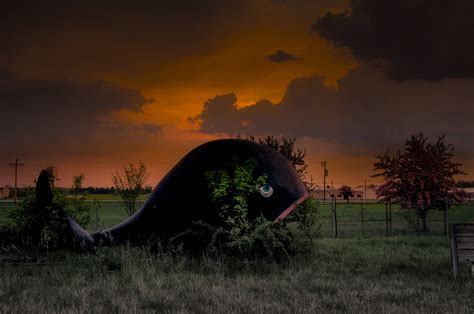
89, 87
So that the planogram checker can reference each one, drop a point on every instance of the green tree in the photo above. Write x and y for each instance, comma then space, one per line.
346, 192
465, 184
77, 182
129, 184
421, 177
78, 201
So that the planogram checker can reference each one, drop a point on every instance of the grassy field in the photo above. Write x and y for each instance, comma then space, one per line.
349, 216
341, 275
110, 212
375, 274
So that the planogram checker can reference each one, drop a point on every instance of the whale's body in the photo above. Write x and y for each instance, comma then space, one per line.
183, 195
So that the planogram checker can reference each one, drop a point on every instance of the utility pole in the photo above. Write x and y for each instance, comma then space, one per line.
365, 189
16, 165
55, 175
325, 174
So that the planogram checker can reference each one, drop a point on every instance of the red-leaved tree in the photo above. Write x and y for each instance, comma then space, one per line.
421, 177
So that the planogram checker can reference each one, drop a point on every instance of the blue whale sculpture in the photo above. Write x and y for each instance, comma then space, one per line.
183, 197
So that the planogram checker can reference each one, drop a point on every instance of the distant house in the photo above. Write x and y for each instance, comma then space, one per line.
5, 191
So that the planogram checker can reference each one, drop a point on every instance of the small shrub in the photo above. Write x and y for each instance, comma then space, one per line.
129, 184
306, 219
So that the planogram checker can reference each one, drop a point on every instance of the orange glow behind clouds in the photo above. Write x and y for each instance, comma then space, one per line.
180, 86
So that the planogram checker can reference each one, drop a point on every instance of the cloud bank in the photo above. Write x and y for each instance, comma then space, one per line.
117, 39
423, 39
45, 113
368, 109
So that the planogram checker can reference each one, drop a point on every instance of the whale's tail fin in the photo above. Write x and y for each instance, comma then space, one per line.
83, 239
80, 236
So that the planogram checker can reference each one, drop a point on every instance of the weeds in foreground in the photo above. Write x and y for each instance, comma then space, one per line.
339, 275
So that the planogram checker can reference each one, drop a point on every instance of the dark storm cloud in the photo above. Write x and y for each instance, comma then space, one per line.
86, 39
281, 56
367, 110
419, 39
303, 3
39, 112
5, 75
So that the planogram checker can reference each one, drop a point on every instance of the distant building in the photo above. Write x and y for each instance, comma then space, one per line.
357, 194
469, 194
5, 191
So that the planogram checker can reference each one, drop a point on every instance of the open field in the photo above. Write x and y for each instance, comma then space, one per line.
112, 211
341, 275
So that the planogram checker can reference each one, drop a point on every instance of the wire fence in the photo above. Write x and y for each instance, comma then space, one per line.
104, 213
337, 219
367, 219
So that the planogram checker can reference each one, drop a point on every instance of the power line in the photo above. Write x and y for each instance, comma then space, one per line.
91, 162
16, 165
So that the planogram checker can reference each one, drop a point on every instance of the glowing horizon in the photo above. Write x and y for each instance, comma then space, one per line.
158, 79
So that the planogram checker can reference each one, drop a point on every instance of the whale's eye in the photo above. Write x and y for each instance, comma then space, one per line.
266, 190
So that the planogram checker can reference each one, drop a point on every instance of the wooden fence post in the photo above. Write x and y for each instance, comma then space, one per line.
446, 205
454, 251
362, 218
334, 219
390, 217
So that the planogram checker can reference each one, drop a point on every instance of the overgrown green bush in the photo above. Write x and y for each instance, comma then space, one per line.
45, 226
237, 235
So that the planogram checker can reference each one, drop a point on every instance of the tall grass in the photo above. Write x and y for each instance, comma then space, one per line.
342, 275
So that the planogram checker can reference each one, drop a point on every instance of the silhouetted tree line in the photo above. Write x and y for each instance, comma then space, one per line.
465, 184
112, 190
99, 190
23, 192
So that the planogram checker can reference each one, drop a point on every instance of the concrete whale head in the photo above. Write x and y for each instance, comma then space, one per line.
183, 197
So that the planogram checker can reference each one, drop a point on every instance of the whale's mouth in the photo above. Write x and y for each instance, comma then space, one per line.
292, 207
